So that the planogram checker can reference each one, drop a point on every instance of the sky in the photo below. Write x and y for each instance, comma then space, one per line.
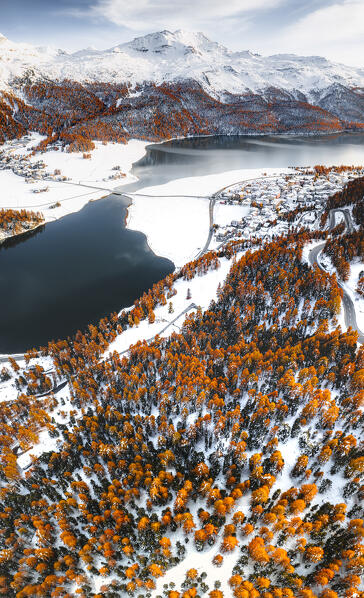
330, 28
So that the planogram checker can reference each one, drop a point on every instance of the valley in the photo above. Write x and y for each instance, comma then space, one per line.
84, 242
181, 335
167, 85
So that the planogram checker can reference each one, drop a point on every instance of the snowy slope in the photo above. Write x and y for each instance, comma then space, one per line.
178, 56
16, 59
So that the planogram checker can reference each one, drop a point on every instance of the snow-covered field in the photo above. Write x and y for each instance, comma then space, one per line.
17, 194
210, 183
176, 228
225, 214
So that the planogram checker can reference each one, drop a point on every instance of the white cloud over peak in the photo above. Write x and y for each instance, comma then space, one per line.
148, 14
330, 28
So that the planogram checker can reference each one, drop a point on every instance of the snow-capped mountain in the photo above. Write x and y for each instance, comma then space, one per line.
173, 84
16, 59
179, 56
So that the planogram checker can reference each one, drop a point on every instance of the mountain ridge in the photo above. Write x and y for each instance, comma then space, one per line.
167, 84
150, 58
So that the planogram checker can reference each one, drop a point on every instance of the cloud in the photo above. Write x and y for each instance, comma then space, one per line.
331, 28
148, 15
335, 30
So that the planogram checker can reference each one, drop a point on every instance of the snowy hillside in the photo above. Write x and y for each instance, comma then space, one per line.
222, 458
167, 85
170, 57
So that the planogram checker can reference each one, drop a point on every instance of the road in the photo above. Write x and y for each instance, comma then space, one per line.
211, 227
349, 309
16, 357
348, 220
148, 340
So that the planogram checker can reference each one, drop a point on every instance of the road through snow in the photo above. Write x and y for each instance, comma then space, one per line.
349, 309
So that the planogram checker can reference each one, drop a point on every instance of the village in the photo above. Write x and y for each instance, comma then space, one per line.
14, 157
265, 205
265, 202
20, 163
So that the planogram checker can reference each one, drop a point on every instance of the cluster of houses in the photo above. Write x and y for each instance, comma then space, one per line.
22, 166
33, 172
269, 199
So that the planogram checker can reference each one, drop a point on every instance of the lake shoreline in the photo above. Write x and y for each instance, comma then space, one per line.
4, 240
133, 155
174, 227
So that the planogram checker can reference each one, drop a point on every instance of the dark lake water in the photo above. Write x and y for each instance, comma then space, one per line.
77, 270
71, 273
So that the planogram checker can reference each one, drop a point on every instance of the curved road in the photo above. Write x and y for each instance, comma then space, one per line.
213, 199
349, 309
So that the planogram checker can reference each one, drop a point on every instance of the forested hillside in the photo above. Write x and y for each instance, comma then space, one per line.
171, 84
231, 451
75, 113
167, 84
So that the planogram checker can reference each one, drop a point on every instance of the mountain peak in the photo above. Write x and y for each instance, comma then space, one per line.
161, 41
169, 56
191, 37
